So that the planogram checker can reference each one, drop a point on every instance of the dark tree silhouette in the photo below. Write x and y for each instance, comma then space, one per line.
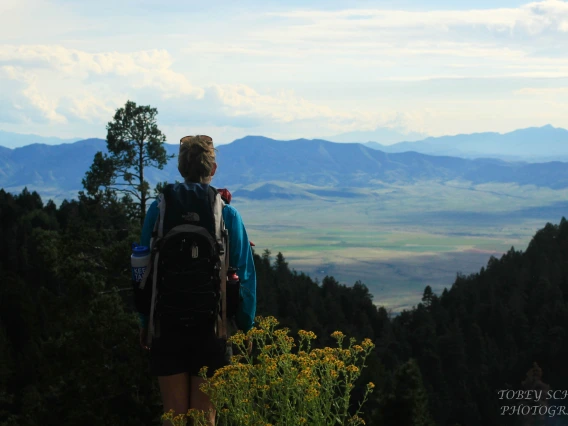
134, 144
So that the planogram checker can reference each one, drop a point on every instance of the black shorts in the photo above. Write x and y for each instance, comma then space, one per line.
182, 350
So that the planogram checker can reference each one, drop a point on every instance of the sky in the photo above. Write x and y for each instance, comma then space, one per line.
283, 69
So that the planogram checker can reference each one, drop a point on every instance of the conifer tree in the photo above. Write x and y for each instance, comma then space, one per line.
134, 144
427, 296
407, 403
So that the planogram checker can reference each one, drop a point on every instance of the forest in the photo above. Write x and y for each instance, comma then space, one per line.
69, 350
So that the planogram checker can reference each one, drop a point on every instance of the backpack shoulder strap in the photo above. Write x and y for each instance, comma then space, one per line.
222, 241
157, 235
217, 205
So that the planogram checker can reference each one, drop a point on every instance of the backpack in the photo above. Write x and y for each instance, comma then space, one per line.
185, 282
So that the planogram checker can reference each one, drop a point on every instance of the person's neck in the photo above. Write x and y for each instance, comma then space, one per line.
197, 183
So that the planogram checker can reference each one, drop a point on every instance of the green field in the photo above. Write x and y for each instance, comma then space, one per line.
398, 239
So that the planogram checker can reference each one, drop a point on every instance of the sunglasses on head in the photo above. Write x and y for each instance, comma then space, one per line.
189, 138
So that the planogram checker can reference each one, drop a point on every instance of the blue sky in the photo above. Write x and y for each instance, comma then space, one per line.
284, 69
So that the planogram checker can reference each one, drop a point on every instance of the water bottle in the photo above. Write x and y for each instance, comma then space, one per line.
139, 262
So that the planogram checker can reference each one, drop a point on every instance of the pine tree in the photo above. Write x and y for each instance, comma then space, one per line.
427, 296
407, 402
134, 144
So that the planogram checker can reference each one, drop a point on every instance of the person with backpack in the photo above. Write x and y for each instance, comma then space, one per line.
194, 237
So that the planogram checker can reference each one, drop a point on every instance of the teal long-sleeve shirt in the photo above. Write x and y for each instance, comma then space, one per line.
240, 257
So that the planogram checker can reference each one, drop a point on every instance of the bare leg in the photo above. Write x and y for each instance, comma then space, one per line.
175, 393
199, 400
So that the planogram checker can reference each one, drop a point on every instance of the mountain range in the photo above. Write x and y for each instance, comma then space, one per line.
535, 144
257, 167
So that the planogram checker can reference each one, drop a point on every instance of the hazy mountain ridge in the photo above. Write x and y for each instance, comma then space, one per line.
62, 166
383, 134
256, 159
14, 140
534, 144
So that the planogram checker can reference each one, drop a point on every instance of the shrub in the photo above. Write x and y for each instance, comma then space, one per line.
283, 386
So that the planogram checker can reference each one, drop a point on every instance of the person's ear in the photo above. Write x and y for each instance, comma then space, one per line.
214, 169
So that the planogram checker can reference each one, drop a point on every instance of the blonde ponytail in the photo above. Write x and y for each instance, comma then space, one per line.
196, 158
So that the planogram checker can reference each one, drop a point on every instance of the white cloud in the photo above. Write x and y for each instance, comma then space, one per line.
89, 108
361, 49
143, 69
88, 98
297, 72
22, 93
285, 106
542, 91
381, 44
533, 17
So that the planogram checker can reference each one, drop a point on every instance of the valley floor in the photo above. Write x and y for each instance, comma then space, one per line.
399, 240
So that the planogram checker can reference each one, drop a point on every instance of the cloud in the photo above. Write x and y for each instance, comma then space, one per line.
86, 107
93, 85
143, 69
22, 100
65, 84
283, 107
542, 91
361, 49
295, 72
526, 41
501, 35
533, 18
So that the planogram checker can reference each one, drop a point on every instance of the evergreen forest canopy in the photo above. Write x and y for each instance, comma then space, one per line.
68, 337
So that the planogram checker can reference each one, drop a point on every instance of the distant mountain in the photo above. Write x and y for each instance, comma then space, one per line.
15, 140
259, 167
384, 135
257, 159
535, 144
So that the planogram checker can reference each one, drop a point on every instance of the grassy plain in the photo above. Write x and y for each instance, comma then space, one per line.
399, 238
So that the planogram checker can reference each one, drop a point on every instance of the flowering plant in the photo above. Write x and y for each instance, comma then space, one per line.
279, 387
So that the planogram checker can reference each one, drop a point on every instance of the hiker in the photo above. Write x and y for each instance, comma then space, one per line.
179, 347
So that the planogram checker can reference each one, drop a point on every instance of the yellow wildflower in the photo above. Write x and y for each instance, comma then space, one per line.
337, 335
310, 335
357, 348
352, 369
